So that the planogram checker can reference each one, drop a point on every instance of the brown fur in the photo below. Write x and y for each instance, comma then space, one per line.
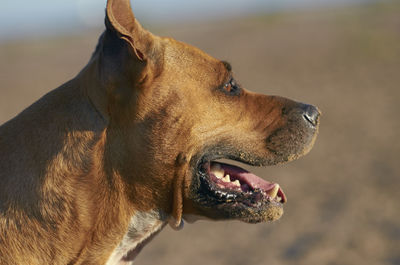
120, 138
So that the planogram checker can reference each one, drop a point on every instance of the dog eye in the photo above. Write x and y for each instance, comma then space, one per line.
232, 88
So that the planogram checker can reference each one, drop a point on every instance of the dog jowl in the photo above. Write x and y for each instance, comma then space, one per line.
94, 169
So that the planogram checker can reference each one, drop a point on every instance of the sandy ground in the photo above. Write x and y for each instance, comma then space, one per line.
343, 203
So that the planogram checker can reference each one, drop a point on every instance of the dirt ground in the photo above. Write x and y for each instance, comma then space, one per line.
343, 205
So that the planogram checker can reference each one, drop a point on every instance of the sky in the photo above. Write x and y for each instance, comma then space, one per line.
30, 17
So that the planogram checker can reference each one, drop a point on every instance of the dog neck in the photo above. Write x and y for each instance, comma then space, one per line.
142, 228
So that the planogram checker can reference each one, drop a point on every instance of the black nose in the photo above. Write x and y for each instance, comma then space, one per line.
311, 114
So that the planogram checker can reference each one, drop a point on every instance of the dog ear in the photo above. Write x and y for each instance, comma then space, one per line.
120, 20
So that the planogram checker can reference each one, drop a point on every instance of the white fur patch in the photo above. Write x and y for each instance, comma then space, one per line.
141, 227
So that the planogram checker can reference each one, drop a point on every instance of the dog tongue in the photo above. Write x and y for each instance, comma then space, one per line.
252, 180
244, 176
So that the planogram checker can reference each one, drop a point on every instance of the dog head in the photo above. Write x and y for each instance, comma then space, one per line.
172, 111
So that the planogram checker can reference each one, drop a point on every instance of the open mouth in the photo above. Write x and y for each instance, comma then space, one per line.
234, 182
230, 192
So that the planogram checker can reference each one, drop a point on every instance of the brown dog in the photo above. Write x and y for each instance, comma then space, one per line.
94, 169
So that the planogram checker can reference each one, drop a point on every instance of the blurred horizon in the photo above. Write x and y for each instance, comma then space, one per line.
345, 59
67, 16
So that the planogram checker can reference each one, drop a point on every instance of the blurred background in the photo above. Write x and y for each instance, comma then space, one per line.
343, 56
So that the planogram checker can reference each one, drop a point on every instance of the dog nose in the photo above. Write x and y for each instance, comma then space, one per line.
311, 114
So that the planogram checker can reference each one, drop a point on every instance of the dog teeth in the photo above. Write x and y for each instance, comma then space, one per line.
272, 193
278, 199
236, 183
227, 178
230, 196
217, 170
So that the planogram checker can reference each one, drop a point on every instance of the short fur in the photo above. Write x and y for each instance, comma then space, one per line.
99, 165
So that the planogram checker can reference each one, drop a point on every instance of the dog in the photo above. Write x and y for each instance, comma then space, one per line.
93, 170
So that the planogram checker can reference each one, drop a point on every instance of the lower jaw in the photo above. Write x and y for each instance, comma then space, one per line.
266, 212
